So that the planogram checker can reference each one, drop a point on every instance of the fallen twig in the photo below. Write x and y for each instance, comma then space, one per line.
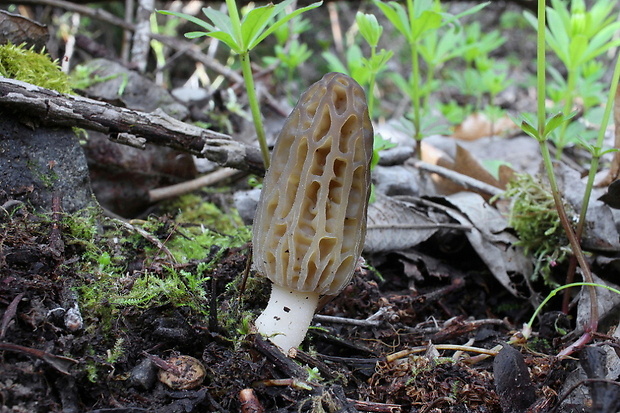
189, 186
52, 108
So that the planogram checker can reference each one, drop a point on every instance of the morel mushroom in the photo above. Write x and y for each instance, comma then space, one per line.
310, 224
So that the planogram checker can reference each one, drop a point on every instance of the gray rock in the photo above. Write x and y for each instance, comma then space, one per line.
38, 164
395, 180
131, 89
246, 203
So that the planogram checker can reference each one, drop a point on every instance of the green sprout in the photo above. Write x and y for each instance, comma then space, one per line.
243, 35
577, 36
289, 58
420, 18
371, 31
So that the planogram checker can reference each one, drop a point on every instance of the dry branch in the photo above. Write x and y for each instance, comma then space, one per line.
125, 125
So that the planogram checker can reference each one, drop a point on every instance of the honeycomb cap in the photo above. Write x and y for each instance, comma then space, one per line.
310, 224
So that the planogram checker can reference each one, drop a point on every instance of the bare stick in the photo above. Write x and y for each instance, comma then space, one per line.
189, 186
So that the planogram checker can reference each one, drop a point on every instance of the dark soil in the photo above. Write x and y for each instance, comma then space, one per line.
54, 364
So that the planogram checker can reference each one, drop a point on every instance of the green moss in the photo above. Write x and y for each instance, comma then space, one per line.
17, 62
192, 209
535, 219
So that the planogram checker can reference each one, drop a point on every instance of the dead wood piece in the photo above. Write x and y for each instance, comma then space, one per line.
52, 108
282, 362
249, 402
189, 186
9, 313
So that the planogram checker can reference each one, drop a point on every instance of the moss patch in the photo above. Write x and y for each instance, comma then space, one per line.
17, 62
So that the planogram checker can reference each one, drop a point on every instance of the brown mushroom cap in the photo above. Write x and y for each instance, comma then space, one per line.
310, 225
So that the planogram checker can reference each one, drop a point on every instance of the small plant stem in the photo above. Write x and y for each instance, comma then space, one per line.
430, 76
254, 107
599, 144
568, 106
562, 287
540, 68
416, 91
233, 13
371, 83
415, 78
593, 169
246, 67
544, 148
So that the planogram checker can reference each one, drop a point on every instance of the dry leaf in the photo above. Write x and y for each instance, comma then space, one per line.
17, 29
477, 126
395, 225
464, 163
489, 237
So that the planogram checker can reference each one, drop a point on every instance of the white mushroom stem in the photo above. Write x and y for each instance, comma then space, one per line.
287, 317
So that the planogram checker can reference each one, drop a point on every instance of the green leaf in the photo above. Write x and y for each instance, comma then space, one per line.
529, 129
255, 22
553, 123
377, 63
557, 37
428, 20
334, 64
369, 27
561, 10
227, 39
190, 18
194, 35
220, 20
397, 15
402, 84
282, 20
576, 51
472, 10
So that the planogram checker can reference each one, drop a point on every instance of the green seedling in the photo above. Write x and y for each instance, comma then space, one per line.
371, 31
478, 43
288, 59
436, 49
483, 77
563, 287
353, 65
545, 126
455, 113
379, 145
415, 22
291, 31
243, 35
290, 52
577, 36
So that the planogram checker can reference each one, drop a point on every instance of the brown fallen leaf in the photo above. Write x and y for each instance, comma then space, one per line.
478, 125
17, 29
464, 163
